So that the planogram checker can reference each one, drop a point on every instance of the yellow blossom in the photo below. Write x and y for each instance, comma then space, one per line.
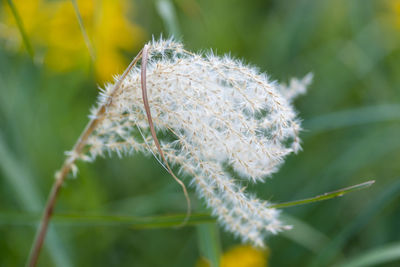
241, 256
54, 31
396, 8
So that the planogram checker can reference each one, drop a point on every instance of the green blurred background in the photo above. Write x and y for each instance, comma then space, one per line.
351, 131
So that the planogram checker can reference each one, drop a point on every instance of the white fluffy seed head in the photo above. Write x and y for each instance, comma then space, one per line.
210, 113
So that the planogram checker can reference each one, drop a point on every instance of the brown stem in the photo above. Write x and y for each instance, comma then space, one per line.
67, 166
153, 131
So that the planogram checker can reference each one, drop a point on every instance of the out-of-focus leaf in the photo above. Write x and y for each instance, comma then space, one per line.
358, 155
304, 234
167, 13
352, 117
374, 257
27, 195
375, 205
209, 244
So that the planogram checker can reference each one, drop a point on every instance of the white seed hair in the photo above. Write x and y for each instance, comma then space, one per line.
214, 115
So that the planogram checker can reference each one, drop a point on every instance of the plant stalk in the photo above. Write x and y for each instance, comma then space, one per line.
67, 166
21, 28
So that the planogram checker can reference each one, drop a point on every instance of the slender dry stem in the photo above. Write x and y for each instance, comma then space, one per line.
153, 131
67, 166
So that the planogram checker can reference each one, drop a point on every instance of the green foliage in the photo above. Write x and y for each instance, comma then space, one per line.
384, 254
209, 243
351, 134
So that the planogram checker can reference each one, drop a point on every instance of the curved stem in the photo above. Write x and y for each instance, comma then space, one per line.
68, 164
153, 131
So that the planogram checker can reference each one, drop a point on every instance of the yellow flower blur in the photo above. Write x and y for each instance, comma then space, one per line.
396, 9
244, 256
241, 256
53, 29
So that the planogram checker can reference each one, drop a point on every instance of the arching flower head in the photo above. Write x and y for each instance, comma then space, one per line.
213, 115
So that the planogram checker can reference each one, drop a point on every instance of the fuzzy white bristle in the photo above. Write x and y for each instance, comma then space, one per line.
222, 113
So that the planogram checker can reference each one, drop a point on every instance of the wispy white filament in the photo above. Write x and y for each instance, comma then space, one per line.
214, 115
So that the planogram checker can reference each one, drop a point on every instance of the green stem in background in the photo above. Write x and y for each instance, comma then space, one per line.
337, 193
155, 221
83, 30
167, 13
209, 243
207, 230
21, 28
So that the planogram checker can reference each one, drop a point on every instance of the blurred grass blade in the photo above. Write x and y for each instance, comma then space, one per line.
16, 175
304, 234
165, 221
374, 206
352, 117
359, 152
209, 243
337, 193
21, 28
28, 197
167, 13
83, 30
375, 257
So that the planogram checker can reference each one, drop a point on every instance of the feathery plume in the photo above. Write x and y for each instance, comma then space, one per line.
212, 112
